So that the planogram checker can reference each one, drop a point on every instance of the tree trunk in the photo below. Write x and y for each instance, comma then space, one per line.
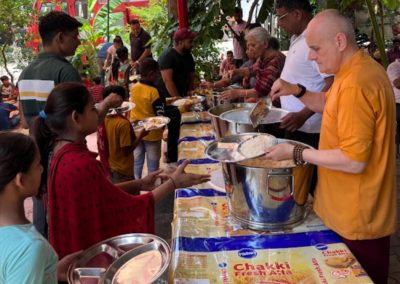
173, 8
251, 11
380, 5
3, 54
379, 40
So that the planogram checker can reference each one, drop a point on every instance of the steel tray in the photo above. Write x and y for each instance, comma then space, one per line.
100, 259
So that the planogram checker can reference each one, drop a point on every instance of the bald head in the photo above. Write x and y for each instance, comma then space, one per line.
329, 23
330, 37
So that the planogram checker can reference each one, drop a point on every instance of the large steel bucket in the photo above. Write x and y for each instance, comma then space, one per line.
263, 194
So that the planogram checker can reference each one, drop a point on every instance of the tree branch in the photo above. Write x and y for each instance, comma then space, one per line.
379, 39
253, 6
3, 54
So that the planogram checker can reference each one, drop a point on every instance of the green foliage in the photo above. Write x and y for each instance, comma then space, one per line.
91, 35
378, 30
207, 17
15, 16
116, 26
392, 4
155, 20
379, 36
86, 50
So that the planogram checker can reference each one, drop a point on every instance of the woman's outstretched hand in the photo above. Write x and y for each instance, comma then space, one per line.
149, 182
182, 179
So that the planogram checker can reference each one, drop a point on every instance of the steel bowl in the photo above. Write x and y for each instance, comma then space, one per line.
221, 127
238, 120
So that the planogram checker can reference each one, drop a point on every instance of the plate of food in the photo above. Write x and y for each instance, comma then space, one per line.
125, 107
256, 145
155, 122
188, 101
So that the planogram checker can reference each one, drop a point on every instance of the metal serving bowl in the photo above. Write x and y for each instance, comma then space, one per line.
221, 127
238, 120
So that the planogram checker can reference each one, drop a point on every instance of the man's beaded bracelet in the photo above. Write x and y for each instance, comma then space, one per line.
298, 155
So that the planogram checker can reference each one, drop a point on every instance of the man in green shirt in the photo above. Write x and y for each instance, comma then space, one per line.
60, 38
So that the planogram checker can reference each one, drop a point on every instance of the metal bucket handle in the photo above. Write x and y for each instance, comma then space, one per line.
284, 198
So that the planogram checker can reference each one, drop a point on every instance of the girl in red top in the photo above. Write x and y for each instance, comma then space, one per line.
84, 207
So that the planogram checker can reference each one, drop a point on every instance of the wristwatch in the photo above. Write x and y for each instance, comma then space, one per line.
302, 91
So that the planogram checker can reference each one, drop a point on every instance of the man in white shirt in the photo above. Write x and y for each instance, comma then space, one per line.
393, 72
301, 124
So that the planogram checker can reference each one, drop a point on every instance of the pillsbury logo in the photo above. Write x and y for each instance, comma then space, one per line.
222, 265
247, 253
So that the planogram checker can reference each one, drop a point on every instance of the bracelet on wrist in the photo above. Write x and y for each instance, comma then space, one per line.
298, 155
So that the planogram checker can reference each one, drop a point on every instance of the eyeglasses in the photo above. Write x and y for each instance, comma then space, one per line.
280, 18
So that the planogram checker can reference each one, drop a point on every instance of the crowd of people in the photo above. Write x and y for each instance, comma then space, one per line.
101, 198
339, 101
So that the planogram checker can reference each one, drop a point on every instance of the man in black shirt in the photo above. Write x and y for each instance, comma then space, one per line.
177, 71
177, 64
140, 43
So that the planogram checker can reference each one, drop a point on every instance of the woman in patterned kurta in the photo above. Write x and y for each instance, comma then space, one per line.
266, 69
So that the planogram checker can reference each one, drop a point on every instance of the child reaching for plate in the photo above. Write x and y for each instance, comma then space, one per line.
116, 141
25, 256
148, 104
84, 207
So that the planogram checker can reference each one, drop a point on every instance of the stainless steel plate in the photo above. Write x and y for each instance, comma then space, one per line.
239, 115
162, 247
125, 107
92, 264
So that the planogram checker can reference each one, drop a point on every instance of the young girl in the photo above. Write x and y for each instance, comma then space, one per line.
84, 207
120, 68
25, 256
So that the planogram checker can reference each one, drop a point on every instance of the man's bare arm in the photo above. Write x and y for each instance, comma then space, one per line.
167, 76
